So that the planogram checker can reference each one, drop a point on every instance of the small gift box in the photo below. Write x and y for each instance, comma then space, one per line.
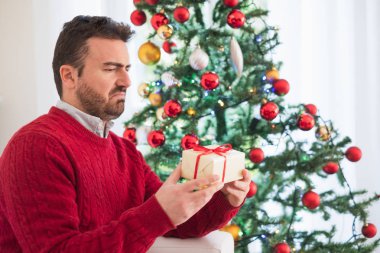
201, 162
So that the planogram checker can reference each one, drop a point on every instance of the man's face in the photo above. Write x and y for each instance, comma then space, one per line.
104, 80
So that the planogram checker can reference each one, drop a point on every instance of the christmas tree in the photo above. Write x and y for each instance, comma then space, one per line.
220, 85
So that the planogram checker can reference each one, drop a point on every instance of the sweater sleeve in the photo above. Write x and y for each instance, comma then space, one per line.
214, 215
37, 186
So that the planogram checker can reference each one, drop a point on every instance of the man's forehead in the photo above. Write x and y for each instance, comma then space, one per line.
104, 49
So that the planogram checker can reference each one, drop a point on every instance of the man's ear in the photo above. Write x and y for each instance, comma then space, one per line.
69, 76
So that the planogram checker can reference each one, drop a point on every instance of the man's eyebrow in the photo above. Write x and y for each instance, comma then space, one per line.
116, 64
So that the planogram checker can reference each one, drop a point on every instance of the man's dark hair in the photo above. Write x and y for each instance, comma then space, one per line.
72, 48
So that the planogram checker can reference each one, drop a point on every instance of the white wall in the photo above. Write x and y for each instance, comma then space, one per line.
18, 89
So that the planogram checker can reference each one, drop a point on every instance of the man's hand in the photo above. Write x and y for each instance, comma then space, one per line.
236, 191
180, 201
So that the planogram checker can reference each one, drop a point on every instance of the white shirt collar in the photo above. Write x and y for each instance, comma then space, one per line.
92, 123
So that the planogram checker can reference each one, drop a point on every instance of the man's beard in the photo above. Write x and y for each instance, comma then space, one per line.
96, 105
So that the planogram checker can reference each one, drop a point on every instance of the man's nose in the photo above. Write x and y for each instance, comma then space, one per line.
123, 79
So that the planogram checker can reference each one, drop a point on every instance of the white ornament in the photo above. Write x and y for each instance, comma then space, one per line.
160, 114
198, 59
168, 79
236, 56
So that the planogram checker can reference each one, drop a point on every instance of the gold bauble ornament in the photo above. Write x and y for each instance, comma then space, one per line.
191, 112
272, 75
233, 229
149, 53
143, 89
165, 32
155, 99
323, 133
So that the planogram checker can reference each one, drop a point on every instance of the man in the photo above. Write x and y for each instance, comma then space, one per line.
68, 184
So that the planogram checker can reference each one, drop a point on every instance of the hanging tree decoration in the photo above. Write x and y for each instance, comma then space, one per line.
252, 189
323, 133
198, 59
130, 134
189, 141
143, 90
168, 46
155, 99
168, 79
331, 168
305, 122
172, 108
159, 19
231, 3
353, 154
156, 138
165, 32
311, 200
152, 2
160, 114
138, 17
272, 75
282, 247
209, 80
236, 19
181, 14
149, 53
236, 56
256, 155
269, 111
369, 230
311, 109
281, 87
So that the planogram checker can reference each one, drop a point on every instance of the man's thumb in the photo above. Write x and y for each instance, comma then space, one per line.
174, 177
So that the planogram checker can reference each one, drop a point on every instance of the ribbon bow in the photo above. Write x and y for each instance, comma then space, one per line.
221, 150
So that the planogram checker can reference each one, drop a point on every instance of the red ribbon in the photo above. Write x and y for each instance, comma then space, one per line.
221, 150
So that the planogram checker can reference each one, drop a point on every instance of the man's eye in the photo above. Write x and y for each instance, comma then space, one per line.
109, 70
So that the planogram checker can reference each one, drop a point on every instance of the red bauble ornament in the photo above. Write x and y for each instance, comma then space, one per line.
231, 3
151, 2
130, 134
156, 138
369, 230
138, 17
209, 80
181, 14
172, 108
353, 154
281, 87
305, 122
167, 46
269, 111
311, 200
256, 155
311, 109
282, 248
158, 20
252, 189
331, 168
236, 19
189, 141
135, 2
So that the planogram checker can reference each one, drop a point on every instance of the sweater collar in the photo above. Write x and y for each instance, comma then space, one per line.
94, 124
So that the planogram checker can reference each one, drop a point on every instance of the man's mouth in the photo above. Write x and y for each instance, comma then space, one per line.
118, 95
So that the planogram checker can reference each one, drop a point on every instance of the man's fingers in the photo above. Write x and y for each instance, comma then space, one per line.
200, 183
174, 177
246, 175
206, 194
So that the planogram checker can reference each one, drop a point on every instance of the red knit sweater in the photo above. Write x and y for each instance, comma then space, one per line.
64, 189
